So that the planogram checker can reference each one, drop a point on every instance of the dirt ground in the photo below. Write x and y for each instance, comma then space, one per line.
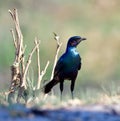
93, 112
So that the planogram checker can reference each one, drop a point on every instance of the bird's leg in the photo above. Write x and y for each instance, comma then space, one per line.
72, 95
72, 88
61, 88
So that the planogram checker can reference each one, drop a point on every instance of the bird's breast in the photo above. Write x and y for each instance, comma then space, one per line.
71, 62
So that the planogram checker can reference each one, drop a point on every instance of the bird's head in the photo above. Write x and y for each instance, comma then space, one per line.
74, 41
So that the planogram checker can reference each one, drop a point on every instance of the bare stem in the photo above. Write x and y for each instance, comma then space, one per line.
14, 40
38, 62
42, 74
16, 79
57, 52
27, 66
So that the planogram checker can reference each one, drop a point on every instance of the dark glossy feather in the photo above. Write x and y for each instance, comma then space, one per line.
67, 66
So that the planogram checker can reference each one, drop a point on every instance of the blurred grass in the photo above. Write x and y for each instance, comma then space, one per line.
98, 21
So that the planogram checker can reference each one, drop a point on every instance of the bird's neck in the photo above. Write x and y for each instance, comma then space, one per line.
71, 50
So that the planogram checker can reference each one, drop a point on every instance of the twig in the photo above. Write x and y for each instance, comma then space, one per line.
23, 61
27, 66
56, 37
47, 64
18, 43
57, 52
19, 68
11, 14
14, 40
42, 74
38, 62
19, 36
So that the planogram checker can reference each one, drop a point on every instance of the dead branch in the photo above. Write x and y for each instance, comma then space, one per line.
19, 36
27, 66
59, 44
38, 62
16, 79
56, 37
14, 40
19, 69
40, 74
23, 62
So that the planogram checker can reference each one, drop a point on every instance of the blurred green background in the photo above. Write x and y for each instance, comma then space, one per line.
97, 20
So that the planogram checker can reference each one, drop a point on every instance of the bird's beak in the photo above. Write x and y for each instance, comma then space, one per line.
82, 39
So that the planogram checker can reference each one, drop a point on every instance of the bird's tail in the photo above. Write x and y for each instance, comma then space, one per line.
47, 88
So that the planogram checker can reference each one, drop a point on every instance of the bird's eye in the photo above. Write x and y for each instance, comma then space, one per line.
73, 43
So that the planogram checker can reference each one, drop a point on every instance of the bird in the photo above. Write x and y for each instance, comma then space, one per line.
67, 66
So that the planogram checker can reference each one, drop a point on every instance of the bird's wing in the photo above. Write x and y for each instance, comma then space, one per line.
59, 66
79, 66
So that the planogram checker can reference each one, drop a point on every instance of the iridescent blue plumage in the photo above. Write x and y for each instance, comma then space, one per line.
67, 66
